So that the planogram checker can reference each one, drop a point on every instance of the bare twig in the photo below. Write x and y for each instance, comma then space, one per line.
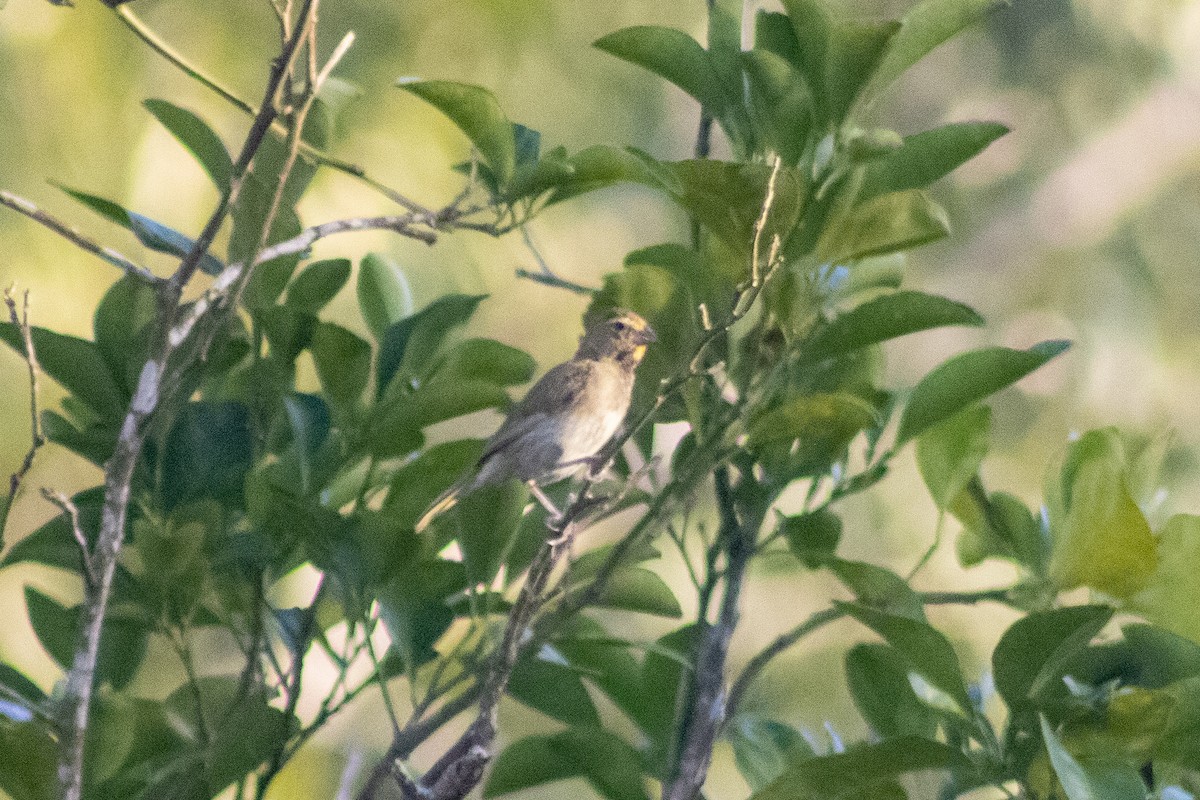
20, 204
37, 439
158, 45
69, 508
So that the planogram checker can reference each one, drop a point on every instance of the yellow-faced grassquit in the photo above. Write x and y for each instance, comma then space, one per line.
566, 418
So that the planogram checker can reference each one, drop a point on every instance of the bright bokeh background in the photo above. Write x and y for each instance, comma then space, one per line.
1082, 223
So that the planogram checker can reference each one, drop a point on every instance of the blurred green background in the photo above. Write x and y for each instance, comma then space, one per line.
1082, 223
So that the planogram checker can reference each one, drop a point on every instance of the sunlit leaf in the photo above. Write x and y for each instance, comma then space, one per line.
949, 453
1100, 537
927, 649
384, 296
317, 284
1172, 593
477, 113
200, 140
1033, 652
1095, 778
968, 378
887, 223
929, 155
884, 318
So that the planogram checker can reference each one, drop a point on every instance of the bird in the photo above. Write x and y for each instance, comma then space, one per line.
568, 416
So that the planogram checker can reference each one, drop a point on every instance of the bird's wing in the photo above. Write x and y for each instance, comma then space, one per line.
551, 398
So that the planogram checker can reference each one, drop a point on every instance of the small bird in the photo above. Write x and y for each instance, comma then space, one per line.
566, 418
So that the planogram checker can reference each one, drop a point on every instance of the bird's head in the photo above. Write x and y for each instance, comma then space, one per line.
621, 334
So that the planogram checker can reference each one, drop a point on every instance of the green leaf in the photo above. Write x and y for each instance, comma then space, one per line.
930, 653
528, 762
1100, 537
174, 567
926, 25
485, 360
1005, 528
811, 33
813, 537
673, 55
1094, 778
418, 483
610, 765
154, 235
119, 325
1032, 654
309, 420
343, 363
596, 167
77, 364
929, 155
884, 318
878, 679
207, 454
606, 662
835, 418
1172, 593
414, 607
763, 748
396, 422
199, 139
28, 761
727, 197
317, 284
638, 589
888, 223
949, 453
477, 113
842, 774
122, 647
664, 668
780, 104
384, 295
484, 521
407, 347
968, 378
878, 587
553, 689
855, 52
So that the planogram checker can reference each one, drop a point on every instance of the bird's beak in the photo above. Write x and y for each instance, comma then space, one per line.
647, 336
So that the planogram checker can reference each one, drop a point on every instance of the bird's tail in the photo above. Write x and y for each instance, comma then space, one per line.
446, 501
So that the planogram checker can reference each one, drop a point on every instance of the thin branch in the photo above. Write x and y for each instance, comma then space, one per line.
545, 275
158, 45
121, 466
69, 508
37, 439
23, 206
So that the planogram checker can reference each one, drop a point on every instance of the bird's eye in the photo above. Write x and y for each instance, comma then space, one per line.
619, 326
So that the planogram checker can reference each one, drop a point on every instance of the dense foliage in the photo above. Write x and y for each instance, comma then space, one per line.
770, 322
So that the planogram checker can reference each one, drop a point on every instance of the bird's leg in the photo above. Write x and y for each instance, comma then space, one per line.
547, 503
